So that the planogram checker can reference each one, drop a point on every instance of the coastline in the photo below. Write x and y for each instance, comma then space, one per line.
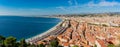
45, 32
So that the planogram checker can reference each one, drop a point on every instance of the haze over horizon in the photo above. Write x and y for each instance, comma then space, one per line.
50, 7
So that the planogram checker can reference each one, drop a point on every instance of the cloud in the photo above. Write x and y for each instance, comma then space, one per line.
76, 3
103, 3
73, 5
70, 2
62, 8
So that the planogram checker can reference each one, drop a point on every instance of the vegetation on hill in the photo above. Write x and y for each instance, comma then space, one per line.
11, 42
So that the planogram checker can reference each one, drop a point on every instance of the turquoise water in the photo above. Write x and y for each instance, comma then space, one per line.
25, 27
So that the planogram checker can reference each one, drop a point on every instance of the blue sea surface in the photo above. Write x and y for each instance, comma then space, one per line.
25, 27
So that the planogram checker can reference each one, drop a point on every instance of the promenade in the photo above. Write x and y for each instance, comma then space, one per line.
56, 30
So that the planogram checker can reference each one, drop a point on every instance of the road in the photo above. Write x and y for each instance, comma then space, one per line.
59, 29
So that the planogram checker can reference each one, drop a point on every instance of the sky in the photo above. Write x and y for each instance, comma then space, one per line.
53, 7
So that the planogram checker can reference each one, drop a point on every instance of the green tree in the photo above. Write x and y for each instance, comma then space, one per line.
54, 43
10, 42
75, 46
32, 45
95, 45
23, 43
2, 41
41, 45
111, 45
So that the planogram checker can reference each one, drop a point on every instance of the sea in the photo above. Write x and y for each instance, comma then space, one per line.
25, 27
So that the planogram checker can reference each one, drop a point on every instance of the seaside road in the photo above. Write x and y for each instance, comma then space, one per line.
54, 32
58, 30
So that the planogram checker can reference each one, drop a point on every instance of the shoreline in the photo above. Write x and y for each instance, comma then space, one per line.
45, 32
